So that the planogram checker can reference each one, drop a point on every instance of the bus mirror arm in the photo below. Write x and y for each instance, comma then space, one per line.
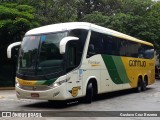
64, 41
9, 48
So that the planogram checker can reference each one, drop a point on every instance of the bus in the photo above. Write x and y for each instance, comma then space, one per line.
80, 60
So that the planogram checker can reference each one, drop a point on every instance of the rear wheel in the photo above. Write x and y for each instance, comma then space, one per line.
89, 93
139, 86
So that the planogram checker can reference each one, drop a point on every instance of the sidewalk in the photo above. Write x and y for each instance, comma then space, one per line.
7, 94
7, 88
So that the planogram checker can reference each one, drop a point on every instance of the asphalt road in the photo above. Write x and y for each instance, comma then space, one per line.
127, 100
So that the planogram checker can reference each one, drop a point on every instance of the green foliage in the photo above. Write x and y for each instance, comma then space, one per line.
10, 13
96, 18
62, 11
138, 18
15, 20
135, 7
120, 21
152, 19
25, 8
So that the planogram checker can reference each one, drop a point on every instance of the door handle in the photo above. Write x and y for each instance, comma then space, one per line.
69, 82
77, 81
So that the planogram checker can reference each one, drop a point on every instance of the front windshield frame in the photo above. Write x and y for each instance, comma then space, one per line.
37, 70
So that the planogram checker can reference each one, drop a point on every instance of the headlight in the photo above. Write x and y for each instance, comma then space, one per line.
54, 85
16, 82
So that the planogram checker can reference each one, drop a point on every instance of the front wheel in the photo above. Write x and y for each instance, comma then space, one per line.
89, 93
139, 86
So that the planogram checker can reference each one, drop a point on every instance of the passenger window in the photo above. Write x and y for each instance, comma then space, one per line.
110, 45
95, 44
82, 35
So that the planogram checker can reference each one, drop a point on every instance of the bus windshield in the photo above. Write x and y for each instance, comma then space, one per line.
40, 54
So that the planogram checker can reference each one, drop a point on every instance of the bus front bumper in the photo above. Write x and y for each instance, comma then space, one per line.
51, 94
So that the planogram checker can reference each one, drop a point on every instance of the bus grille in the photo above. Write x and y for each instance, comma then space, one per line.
35, 88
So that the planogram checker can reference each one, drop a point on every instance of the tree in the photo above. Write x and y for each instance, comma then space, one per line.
53, 11
96, 18
152, 21
61, 11
138, 18
135, 7
15, 20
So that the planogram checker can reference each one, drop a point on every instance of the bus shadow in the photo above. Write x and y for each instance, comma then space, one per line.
53, 104
71, 103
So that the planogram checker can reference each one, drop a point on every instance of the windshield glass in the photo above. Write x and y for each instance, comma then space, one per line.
50, 60
40, 54
29, 52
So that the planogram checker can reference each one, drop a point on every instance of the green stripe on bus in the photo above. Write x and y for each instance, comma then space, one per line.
46, 82
116, 69
121, 69
49, 82
110, 65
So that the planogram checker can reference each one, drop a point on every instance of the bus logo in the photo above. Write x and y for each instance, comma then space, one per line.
137, 63
74, 91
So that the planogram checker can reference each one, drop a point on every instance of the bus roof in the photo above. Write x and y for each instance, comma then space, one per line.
82, 25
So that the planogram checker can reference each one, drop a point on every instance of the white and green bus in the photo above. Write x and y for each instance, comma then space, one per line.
77, 59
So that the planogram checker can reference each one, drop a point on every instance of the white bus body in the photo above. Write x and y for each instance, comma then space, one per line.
85, 72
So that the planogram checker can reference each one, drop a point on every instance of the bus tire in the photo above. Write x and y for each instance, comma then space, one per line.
89, 93
144, 85
139, 85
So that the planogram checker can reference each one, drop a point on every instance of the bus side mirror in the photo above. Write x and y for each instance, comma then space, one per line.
63, 42
9, 49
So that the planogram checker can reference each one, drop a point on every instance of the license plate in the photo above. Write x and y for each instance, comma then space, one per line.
34, 95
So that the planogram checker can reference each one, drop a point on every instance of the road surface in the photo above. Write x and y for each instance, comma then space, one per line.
127, 100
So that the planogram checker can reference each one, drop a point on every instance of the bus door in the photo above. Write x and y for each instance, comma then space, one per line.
74, 84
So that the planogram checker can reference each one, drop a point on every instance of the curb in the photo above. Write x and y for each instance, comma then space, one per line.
7, 88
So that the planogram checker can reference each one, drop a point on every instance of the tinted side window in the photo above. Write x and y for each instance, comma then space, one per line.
79, 46
95, 44
72, 55
81, 34
148, 52
110, 45
122, 44
132, 49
